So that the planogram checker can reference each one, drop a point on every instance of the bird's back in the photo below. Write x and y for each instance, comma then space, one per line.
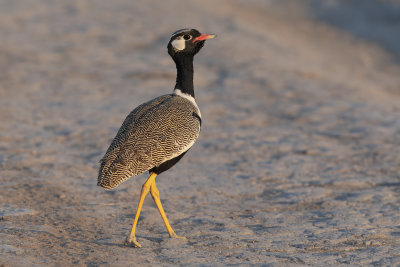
154, 132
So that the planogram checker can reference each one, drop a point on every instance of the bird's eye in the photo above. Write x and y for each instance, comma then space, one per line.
187, 37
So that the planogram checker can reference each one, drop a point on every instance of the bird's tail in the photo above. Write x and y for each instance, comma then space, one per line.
103, 180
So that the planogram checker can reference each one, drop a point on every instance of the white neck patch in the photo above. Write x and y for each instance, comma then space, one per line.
178, 44
188, 97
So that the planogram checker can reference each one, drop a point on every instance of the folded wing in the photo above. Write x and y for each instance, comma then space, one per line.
154, 132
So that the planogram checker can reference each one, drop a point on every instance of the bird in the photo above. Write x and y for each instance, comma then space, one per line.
157, 133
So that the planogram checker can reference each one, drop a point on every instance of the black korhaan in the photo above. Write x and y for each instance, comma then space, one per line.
157, 134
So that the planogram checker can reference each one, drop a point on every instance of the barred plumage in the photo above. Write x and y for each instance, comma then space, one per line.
158, 133
153, 133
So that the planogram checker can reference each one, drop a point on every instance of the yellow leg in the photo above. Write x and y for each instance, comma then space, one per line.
145, 190
156, 196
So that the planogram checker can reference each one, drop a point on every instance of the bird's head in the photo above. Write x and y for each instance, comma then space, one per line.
187, 42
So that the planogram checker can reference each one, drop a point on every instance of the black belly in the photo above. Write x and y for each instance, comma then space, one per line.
167, 165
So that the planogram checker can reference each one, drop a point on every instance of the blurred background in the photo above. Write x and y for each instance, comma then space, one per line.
297, 161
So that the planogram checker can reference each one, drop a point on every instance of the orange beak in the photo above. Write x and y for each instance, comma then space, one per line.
204, 37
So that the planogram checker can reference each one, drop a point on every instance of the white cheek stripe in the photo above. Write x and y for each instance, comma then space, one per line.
178, 44
178, 92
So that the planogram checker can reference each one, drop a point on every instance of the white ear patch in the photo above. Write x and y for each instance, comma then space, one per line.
178, 44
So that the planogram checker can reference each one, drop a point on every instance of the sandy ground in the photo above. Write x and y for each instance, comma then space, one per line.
298, 158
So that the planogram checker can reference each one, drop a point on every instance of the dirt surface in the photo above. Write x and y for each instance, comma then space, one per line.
297, 162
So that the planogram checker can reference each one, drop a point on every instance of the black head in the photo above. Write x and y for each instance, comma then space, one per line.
187, 42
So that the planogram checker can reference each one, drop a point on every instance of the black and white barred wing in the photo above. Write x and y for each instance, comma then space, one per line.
153, 133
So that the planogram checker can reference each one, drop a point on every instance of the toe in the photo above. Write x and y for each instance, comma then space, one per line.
132, 243
177, 236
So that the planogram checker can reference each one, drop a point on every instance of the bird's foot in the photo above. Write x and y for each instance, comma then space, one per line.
132, 242
176, 236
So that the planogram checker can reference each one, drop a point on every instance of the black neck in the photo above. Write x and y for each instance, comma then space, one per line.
184, 78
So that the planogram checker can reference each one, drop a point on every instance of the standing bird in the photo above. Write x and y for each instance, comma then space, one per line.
156, 134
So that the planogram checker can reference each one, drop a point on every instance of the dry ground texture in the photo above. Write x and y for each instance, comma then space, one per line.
298, 158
